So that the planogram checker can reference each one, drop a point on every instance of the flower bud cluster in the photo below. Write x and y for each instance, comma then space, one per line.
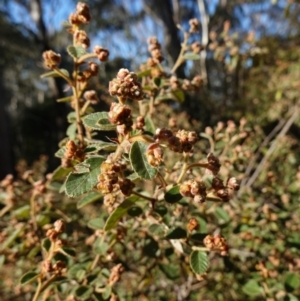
155, 50
196, 47
56, 269
82, 15
126, 85
59, 228
115, 274
194, 25
186, 85
102, 53
192, 224
181, 141
108, 179
216, 243
51, 59
225, 192
194, 189
120, 115
73, 151
154, 154
81, 38
213, 163
91, 96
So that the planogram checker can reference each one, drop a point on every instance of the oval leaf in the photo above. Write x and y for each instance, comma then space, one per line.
139, 161
96, 223
292, 282
252, 288
199, 262
55, 74
120, 211
78, 184
89, 198
28, 277
98, 121
84, 292
191, 56
76, 52
173, 195
176, 233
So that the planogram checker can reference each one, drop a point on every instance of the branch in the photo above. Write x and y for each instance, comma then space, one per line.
204, 23
264, 160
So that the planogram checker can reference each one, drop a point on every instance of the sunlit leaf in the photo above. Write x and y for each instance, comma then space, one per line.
98, 121
78, 184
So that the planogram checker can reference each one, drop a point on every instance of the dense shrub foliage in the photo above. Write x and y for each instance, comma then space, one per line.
143, 207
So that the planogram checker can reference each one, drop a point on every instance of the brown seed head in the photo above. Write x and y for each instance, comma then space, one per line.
102, 53
92, 96
81, 38
51, 59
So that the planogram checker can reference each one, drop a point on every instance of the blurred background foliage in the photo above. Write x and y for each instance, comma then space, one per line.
253, 71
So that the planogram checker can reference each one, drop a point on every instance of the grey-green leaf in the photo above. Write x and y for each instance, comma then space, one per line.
139, 161
98, 121
199, 262
78, 184
191, 56
76, 52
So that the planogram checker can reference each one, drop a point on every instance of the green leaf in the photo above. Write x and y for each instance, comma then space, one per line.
199, 262
61, 152
149, 125
78, 184
106, 294
2, 260
172, 271
158, 82
161, 210
179, 95
222, 215
60, 173
71, 117
292, 282
96, 223
119, 212
176, 233
88, 199
69, 252
22, 212
135, 211
65, 99
173, 195
98, 121
100, 247
139, 161
55, 74
76, 52
144, 73
11, 238
46, 244
151, 246
191, 56
84, 292
252, 288
71, 131
29, 277
157, 230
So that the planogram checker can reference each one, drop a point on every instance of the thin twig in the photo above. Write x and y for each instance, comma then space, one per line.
272, 148
204, 23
